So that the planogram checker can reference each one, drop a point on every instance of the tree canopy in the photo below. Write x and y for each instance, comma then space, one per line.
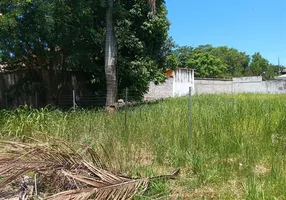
63, 36
223, 62
69, 35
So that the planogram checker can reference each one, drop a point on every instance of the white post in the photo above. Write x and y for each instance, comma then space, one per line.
193, 80
174, 82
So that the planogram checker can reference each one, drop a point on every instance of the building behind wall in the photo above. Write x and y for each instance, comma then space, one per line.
177, 84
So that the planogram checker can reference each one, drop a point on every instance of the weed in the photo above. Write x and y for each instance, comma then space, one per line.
236, 139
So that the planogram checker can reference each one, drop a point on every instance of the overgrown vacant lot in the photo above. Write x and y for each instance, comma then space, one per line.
237, 149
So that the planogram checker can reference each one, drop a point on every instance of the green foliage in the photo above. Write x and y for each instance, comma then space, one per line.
237, 150
222, 61
258, 64
183, 54
236, 62
172, 61
143, 44
206, 65
64, 35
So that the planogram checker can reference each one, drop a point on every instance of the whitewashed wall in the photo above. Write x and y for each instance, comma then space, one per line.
183, 80
173, 86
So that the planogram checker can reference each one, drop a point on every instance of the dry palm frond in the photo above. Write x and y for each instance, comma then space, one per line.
72, 174
77, 194
18, 158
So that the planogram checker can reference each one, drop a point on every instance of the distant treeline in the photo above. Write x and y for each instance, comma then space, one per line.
223, 62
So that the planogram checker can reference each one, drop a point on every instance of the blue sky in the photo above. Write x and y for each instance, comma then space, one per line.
247, 25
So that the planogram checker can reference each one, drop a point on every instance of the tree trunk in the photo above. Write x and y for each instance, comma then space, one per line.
110, 58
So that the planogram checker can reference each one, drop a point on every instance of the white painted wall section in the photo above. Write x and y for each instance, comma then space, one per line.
183, 80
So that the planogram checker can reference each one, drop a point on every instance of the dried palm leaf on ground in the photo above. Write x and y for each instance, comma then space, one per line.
17, 159
68, 172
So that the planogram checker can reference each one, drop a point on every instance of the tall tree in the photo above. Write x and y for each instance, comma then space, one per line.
51, 38
110, 58
183, 54
237, 62
258, 65
111, 54
67, 36
206, 65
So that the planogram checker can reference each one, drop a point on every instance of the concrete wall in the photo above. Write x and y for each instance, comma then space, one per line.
160, 91
173, 87
233, 87
213, 87
276, 86
183, 80
247, 79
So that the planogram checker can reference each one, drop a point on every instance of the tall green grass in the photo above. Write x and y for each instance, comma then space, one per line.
237, 149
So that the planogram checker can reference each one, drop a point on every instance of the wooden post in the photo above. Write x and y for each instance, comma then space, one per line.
73, 99
6, 100
126, 100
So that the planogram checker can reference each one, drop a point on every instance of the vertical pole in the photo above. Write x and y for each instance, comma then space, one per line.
193, 80
125, 105
36, 103
6, 100
35, 184
73, 99
190, 112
